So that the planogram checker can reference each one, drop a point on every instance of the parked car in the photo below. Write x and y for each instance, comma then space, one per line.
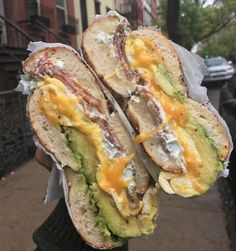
228, 112
218, 69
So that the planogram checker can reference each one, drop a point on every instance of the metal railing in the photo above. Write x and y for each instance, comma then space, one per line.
42, 18
12, 35
49, 35
16, 144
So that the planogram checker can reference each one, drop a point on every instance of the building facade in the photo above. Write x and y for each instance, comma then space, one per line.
149, 12
22, 21
138, 12
44, 20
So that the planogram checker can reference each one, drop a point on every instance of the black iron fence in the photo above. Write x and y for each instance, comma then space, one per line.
16, 144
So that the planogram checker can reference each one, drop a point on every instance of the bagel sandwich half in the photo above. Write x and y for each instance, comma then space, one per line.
110, 195
142, 69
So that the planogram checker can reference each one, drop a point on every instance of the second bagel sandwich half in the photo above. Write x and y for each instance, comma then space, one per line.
142, 70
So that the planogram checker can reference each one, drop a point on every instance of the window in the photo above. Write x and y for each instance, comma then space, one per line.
97, 6
31, 7
216, 61
61, 13
83, 8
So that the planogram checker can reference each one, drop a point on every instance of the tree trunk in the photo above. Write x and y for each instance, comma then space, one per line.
172, 21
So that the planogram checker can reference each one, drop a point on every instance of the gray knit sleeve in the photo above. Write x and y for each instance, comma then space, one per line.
58, 233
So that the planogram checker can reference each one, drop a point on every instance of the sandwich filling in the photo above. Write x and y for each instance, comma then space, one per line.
107, 167
176, 125
62, 108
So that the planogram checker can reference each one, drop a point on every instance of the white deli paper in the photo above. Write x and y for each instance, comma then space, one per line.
193, 68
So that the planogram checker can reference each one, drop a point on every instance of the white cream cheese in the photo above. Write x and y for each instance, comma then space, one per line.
59, 63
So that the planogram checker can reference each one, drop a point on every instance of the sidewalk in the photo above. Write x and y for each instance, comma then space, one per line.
21, 206
196, 224
193, 224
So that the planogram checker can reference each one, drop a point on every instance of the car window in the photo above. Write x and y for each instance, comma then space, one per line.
215, 62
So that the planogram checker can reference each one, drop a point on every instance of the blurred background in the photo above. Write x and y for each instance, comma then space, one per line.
205, 27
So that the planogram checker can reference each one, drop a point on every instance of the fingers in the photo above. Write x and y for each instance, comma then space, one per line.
43, 159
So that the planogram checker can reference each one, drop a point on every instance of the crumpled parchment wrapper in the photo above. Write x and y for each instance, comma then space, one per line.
193, 68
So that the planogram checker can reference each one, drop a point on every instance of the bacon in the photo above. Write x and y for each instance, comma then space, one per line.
119, 42
91, 104
87, 98
109, 135
59, 74
45, 67
155, 110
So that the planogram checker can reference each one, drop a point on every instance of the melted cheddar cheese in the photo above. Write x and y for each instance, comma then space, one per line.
143, 136
61, 108
144, 56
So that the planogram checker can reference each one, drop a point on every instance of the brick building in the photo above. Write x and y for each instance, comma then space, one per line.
138, 12
22, 21
44, 20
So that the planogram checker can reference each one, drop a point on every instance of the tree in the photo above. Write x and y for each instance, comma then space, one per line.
221, 44
198, 23
172, 20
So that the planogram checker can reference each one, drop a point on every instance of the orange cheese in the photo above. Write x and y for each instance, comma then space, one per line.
190, 157
173, 109
143, 136
61, 108
111, 176
144, 56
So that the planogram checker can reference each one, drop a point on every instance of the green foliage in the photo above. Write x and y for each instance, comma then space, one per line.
221, 44
192, 22
199, 24
161, 15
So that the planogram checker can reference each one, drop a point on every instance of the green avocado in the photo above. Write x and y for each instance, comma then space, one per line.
84, 153
163, 79
211, 165
125, 228
109, 219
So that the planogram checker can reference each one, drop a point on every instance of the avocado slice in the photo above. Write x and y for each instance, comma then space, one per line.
84, 152
133, 226
188, 184
211, 165
111, 223
163, 79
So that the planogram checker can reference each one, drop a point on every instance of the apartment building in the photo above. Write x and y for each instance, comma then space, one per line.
22, 21
43, 20
138, 12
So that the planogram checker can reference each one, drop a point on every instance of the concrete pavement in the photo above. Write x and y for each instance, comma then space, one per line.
193, 224
21, 206
183, 224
